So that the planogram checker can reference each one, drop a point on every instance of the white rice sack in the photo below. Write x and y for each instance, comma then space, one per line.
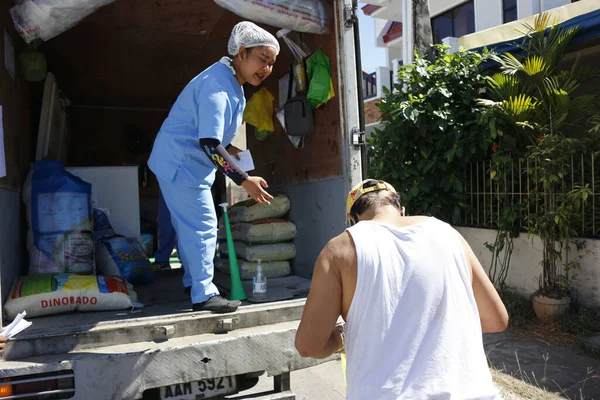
47, 294
264, 231
271, 269
249, 210
297, 15
263, 252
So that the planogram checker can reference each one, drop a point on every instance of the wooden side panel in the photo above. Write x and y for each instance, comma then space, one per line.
137, 52
99, 137
276, 159
16, 111
141, 54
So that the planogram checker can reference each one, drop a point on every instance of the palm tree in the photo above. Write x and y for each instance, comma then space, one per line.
539, 113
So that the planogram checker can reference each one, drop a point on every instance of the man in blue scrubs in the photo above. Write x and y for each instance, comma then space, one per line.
190, 147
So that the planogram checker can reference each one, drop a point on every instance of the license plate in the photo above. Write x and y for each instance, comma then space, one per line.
202, 389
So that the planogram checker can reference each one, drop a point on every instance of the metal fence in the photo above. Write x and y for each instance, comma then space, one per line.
519, 186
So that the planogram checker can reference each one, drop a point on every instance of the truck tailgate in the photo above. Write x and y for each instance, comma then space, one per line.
167, 317
124, 371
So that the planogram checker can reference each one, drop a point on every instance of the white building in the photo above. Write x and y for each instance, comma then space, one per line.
450, 20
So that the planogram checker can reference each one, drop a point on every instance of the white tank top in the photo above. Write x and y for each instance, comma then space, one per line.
413, 329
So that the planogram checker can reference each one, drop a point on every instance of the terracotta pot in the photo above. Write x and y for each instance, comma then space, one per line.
546, 307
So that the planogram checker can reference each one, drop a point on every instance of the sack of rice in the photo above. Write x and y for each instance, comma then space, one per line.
46, 294
249, 210
58, 208
263, 252
271, 269
264, 231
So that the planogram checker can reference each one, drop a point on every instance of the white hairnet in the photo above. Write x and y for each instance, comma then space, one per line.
249, 35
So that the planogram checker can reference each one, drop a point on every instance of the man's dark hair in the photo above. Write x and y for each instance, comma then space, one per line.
378, 198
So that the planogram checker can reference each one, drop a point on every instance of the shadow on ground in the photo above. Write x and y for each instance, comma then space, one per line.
562, 370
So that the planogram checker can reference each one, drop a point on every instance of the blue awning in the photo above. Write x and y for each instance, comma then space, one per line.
589, 29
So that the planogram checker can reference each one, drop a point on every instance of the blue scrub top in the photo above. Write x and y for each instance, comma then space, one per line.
210, 106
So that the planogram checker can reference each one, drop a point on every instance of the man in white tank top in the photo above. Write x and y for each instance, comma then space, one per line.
415, 300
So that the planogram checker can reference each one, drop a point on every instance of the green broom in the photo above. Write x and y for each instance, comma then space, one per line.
237, 289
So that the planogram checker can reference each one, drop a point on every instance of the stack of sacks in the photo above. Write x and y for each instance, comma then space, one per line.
259, 233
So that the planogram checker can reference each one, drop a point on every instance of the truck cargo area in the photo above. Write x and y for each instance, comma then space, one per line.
166, 315
122, 68
120, 71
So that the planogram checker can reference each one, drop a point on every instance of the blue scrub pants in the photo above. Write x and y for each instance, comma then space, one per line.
166, 233
195, 221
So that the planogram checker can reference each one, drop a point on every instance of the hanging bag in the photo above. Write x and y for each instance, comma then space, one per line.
298, 115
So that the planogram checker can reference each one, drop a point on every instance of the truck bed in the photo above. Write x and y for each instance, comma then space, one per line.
166, 315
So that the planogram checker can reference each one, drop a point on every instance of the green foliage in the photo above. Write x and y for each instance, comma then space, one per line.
519, 308
509, 227
537, 112
583, 324
430, 132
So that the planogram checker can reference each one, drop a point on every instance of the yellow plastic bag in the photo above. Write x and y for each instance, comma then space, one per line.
344, 369
343, 356
259, 113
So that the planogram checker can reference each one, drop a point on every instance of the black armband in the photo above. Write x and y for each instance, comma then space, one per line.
221, 159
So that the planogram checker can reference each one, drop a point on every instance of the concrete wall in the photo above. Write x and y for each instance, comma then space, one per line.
318, 210
550, 4
12, 247
525, 269
370, 129
380, 25
488, 13
439, 6
527, 8
394, 53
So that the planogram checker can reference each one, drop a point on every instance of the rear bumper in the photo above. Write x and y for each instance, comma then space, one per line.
126, 371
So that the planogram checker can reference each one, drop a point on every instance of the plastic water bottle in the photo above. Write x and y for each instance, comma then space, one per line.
259, 283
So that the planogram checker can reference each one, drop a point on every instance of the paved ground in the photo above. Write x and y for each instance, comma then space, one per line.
559, 369
324, 381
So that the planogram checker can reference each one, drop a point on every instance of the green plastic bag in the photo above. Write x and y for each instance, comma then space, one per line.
320, 87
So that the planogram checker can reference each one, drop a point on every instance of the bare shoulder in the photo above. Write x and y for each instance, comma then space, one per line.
340, 250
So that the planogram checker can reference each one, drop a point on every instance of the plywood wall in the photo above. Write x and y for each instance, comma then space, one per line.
16, 110
141, 54
277, 160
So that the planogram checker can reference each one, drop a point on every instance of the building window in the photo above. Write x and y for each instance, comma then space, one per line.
509, 10
457, 22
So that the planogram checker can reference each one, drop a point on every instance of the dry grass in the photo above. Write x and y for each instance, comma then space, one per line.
512, 388
549, 331
523, 386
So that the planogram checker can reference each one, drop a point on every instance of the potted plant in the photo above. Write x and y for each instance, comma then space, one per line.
539, 113
552, 217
